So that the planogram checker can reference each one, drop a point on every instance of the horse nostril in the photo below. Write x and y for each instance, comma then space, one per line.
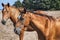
3, 22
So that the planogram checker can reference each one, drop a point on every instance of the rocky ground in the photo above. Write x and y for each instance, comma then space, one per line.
7, 31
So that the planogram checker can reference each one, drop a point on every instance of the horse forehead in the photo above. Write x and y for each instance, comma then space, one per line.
5, 6
5, 9
27, 14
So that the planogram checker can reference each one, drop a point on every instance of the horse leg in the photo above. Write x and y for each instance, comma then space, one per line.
22, 33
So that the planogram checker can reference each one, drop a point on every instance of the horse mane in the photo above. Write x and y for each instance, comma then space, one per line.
49, 17
14, 7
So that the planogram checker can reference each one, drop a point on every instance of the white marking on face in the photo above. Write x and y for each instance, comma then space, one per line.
18, 29
19, 16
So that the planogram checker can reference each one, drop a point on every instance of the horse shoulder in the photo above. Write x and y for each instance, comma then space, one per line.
58, 27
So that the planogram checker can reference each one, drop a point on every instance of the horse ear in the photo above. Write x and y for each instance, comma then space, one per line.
24, 10
2, 4
8, 4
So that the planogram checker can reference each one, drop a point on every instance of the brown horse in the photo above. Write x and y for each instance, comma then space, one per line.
12, 13
46, 24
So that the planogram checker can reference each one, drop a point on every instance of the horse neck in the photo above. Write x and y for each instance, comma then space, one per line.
39, 22
14, 14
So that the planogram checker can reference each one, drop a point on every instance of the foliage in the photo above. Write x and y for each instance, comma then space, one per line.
39, 4
42, 4
17, 4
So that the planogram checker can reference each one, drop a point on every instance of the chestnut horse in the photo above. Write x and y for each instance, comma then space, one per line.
14, 14
46, 24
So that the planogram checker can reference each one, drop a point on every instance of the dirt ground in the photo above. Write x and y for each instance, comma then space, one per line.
7, 31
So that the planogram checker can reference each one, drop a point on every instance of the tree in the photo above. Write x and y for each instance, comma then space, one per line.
42, 4
55, 4
37, 4
17, 4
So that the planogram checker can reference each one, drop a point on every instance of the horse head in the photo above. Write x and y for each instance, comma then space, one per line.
10, 12
26, 18
5, 12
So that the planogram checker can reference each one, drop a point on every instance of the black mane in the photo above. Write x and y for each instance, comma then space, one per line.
49, 17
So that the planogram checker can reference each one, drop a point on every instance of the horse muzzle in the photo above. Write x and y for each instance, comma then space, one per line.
17, 30
3, 22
